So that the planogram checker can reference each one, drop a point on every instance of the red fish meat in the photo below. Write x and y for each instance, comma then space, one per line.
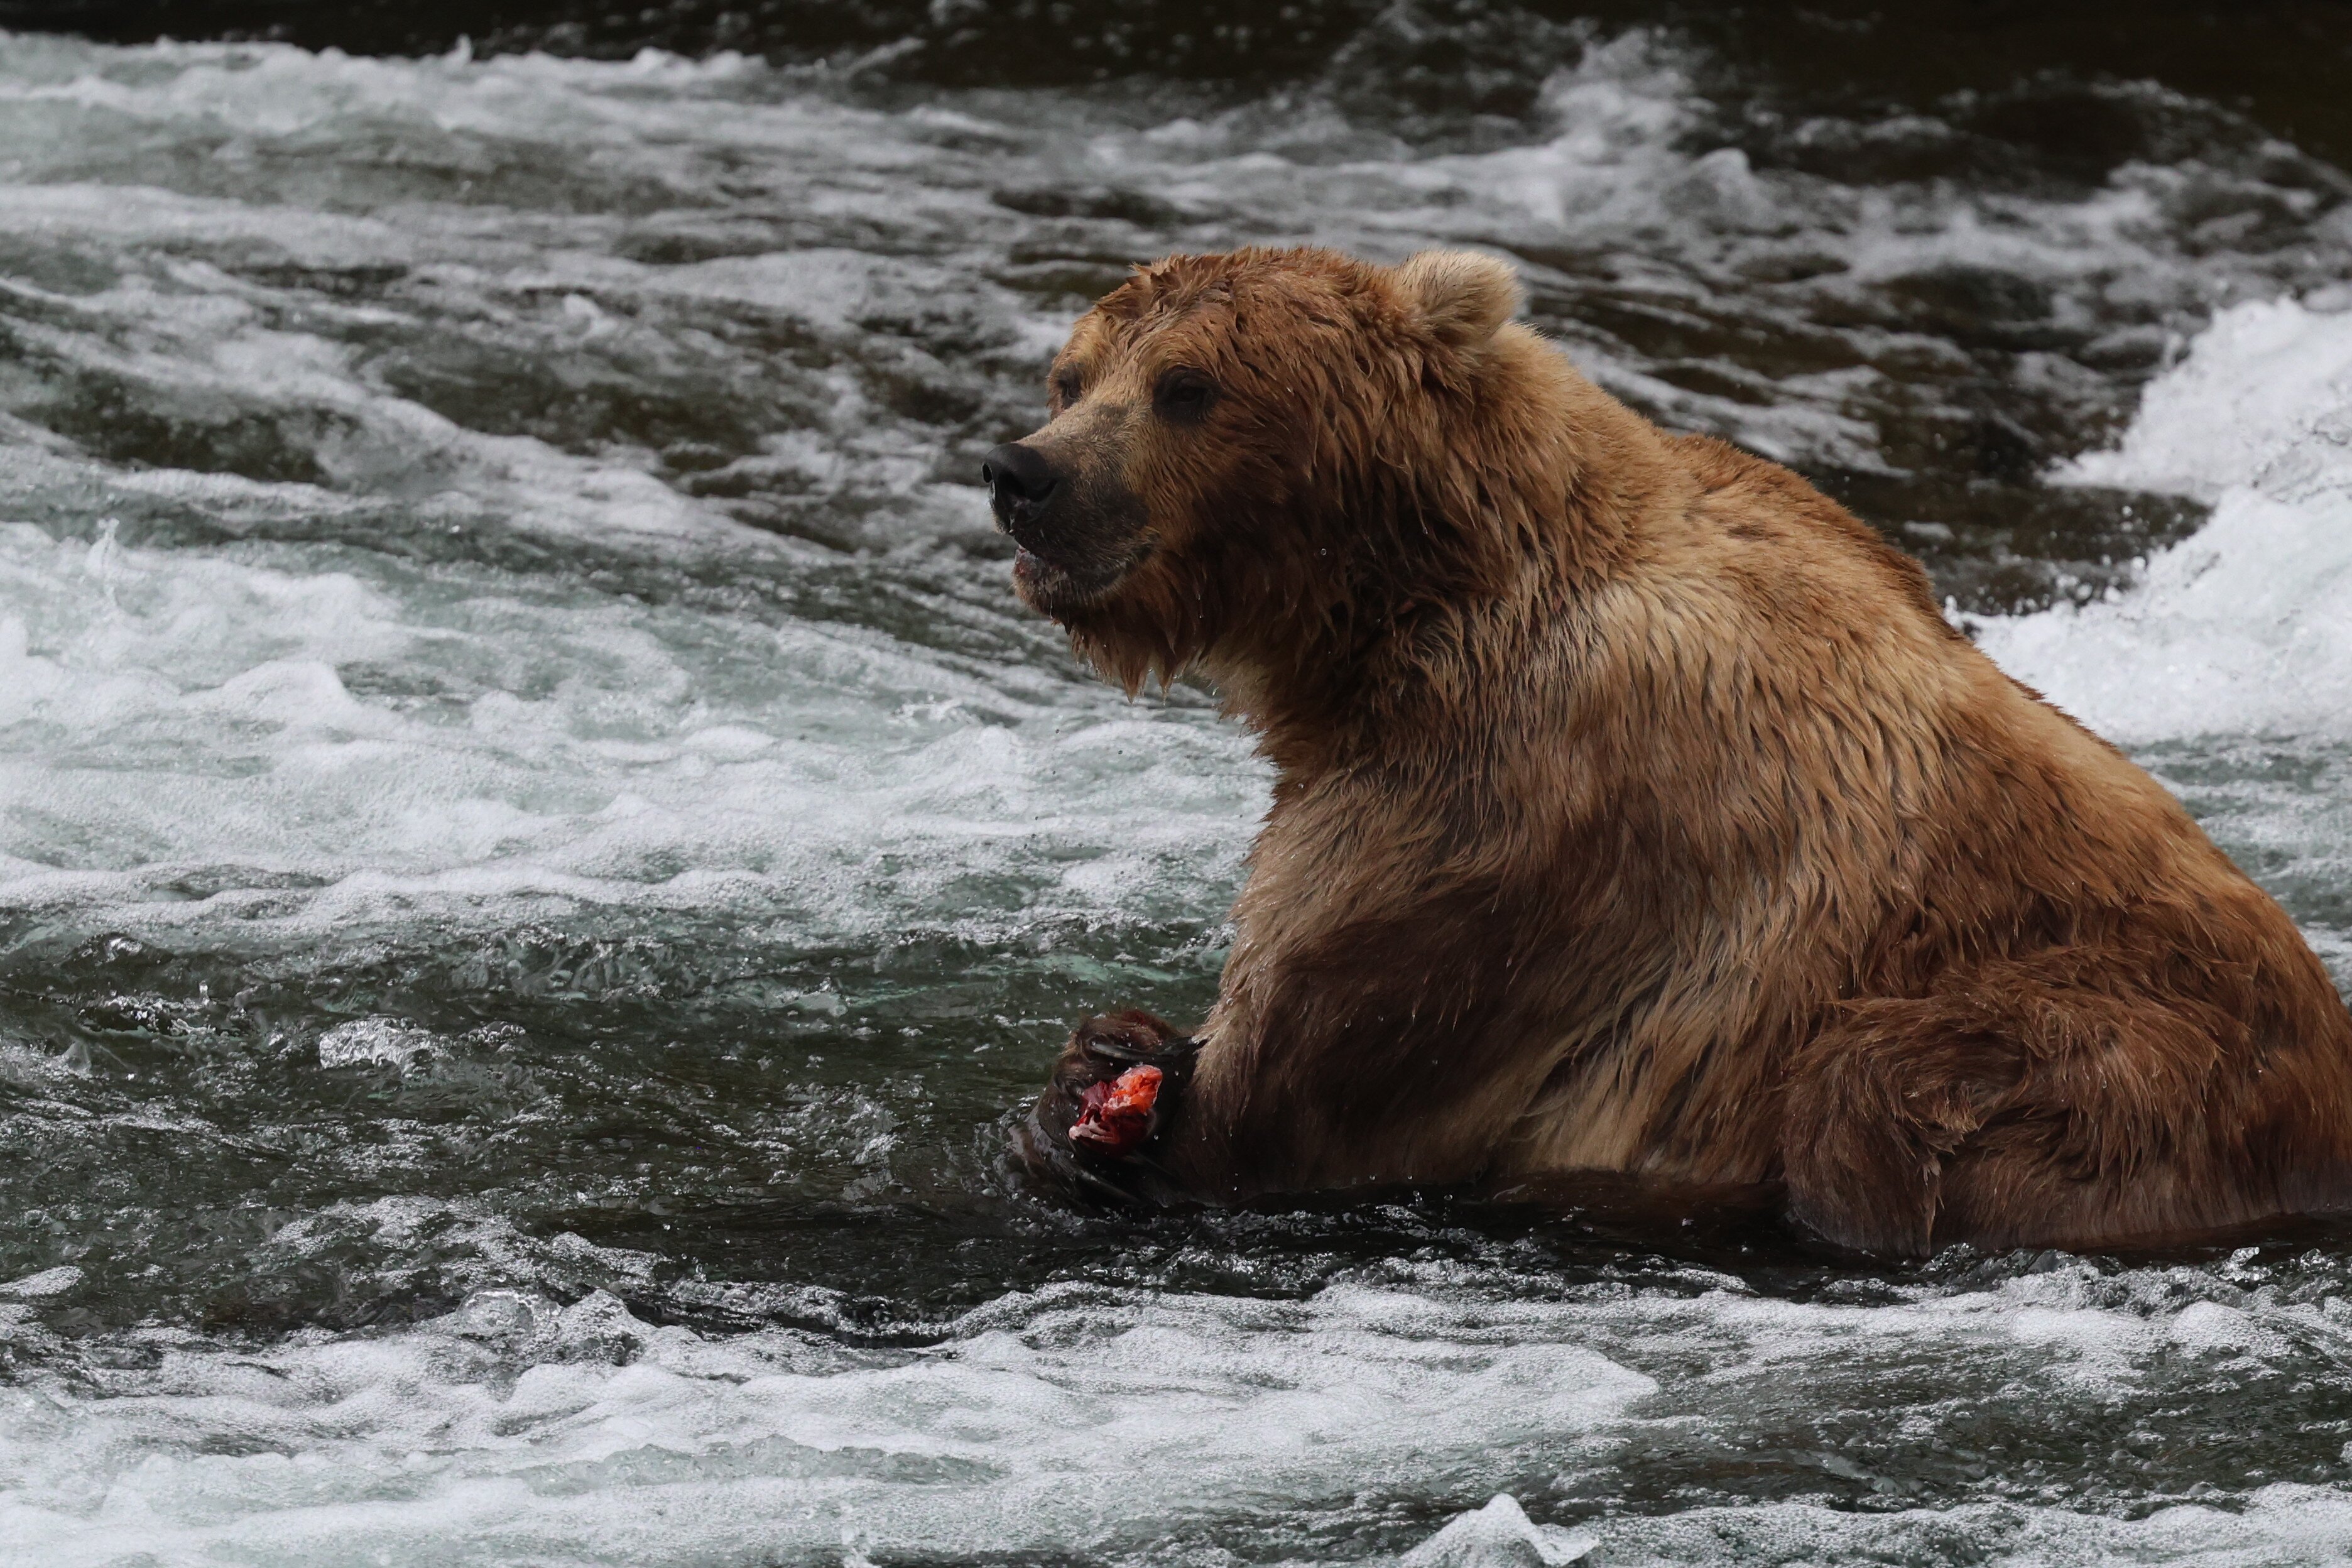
1114, 1118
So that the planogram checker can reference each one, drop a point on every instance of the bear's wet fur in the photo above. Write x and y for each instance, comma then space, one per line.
1635, 808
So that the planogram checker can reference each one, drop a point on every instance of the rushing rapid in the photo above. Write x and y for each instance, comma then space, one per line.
538, 854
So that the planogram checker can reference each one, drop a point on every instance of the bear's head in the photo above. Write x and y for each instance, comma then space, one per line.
1243, 447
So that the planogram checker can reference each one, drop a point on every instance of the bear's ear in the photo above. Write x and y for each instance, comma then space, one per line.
1463, 294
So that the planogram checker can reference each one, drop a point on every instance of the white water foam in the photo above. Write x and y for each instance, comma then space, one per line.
1077, 1420
2245, 628
2277, 1526
1127, 1426
176, 710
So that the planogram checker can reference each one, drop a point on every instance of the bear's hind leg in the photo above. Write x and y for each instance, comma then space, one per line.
2018, 1112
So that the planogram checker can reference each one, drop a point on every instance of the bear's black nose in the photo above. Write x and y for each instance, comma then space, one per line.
1020, 482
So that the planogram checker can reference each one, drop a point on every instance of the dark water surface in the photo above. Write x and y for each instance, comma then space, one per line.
538, 854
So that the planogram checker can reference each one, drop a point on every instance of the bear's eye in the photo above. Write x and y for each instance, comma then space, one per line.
1067, 387
1183, 395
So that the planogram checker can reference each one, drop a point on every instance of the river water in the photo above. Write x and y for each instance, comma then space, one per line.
538, 854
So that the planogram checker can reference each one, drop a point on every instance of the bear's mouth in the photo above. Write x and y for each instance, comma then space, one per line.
1028, 566
1050, 586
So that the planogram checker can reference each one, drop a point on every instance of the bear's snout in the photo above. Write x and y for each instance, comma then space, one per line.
1079, 529
1021, 483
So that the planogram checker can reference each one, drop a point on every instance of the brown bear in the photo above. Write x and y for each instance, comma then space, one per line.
1635, 809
